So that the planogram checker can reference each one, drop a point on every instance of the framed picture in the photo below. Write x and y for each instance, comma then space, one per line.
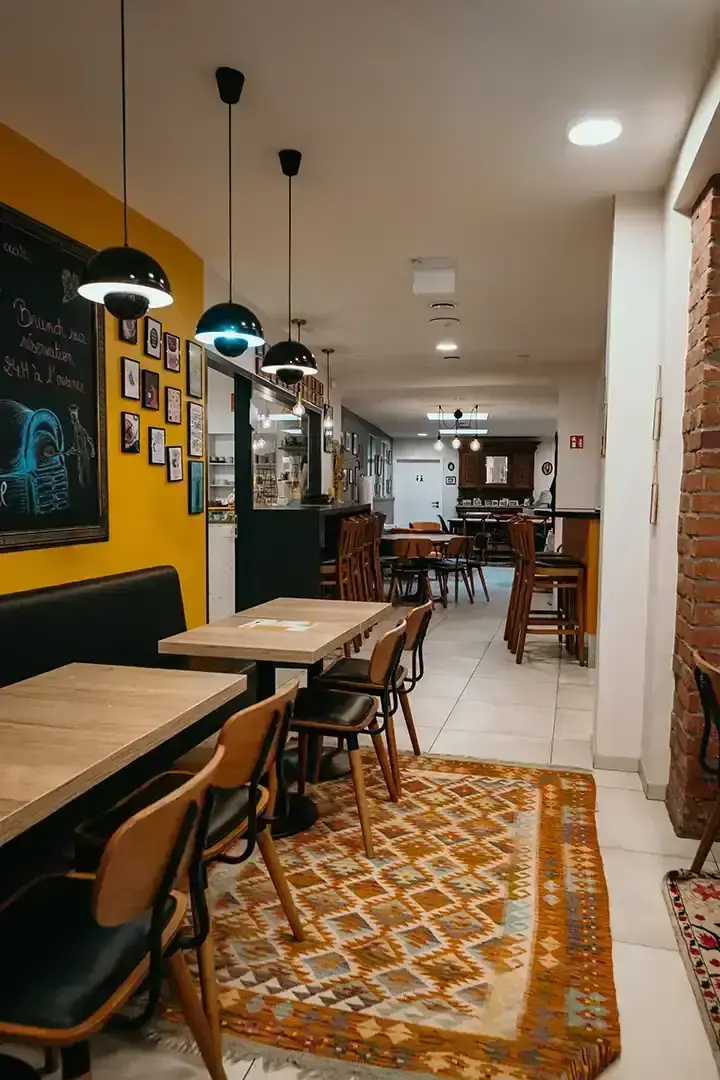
173, 405
127, 331
130, 422
174, 464
150, 389
172, 352
196, 487
153, 337
156, 445
195, 429
130, 378
194, 360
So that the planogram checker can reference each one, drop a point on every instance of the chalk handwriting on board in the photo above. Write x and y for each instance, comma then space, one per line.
52, 399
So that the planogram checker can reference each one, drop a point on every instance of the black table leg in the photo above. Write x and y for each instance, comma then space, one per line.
293, 813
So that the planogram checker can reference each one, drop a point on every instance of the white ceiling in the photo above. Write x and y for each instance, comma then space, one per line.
428, 129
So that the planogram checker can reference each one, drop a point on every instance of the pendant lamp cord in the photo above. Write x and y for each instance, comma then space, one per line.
290, 259
124, 121
230, 204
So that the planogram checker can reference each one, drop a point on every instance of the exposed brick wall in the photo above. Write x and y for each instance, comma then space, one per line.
691, 793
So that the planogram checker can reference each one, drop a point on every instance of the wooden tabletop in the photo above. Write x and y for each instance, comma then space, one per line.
436, 537
63, 732
331, 623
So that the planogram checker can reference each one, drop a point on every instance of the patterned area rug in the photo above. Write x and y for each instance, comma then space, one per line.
694, 902
475, 944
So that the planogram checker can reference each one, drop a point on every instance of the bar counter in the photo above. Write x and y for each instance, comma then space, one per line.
280, 550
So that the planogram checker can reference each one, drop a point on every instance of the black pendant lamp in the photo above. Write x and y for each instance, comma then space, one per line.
229, 328
289, 360
126, 280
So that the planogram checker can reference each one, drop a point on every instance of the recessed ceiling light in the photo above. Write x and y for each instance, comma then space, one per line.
422, 434
446, 320
453, 356
595, 132
523, 356
443, 305
446, 346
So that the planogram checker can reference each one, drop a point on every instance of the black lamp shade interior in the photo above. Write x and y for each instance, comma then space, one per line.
290, 361
230, 329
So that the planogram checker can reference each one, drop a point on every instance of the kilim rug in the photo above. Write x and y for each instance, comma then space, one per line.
694, 902
475, 944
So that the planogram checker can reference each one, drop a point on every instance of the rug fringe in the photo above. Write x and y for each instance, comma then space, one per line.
591, 1061
274, 1058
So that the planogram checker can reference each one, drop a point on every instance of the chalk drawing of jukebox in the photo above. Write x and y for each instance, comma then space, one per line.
33, 473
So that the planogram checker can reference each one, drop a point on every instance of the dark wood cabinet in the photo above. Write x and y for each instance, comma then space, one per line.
520, 454
470, 469
522, 470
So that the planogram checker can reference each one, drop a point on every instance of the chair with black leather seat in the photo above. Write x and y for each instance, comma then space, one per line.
414, 561
241, 807
323, 710
381, 676
418, 621
455, 564
76, 947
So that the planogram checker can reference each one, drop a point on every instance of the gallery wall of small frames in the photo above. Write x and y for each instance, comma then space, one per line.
161, 400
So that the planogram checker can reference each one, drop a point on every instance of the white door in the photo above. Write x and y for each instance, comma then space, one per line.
417, 490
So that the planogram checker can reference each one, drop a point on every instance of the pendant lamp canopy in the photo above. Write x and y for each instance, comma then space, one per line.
289, 360
229, 328
126, 280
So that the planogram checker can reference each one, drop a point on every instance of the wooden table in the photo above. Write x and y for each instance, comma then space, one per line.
331, 623
64, 732
436, 537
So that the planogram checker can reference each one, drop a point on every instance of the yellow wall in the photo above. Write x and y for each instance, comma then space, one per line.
149, 520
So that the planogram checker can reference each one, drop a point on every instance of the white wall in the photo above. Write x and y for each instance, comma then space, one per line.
422, 449
545, 452
688, 178
632, 358
579, 413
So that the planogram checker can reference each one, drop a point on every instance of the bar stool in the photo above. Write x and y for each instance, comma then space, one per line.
565, 575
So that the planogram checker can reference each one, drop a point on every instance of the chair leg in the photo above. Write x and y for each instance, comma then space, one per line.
409, 720
52, 1061
456, 575
197, 1022
361, 801
393, 589
208, 982
75, 1061
707, 840
483, 582
303, 742
393, 753
468, 587
384, 761
275, 870
580, 616
523, 616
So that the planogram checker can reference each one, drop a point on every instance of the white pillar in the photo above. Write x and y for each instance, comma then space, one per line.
633, 352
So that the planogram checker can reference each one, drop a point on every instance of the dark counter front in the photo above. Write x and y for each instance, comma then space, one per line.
279, 550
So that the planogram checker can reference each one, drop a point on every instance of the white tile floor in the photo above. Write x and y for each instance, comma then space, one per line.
475, 701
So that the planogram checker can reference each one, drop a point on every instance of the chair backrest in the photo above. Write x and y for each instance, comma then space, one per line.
149, 851
414, 549
426, 526
369, 529
456, 546
386, 655
443, 524
707, 679
251, 738
418, 621
347, 537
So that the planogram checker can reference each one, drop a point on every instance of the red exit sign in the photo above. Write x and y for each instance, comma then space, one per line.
577, 442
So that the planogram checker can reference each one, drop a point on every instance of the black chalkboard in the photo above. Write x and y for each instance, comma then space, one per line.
53, 468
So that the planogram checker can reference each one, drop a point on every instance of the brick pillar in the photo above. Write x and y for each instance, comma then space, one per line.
691, 793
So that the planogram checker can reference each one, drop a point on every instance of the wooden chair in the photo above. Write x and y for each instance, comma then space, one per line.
80, 945
346, 709
418, 621
566, 576
425, 526
707, 678
476, 559
455, 563
382, 676
413, 562
240, 808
